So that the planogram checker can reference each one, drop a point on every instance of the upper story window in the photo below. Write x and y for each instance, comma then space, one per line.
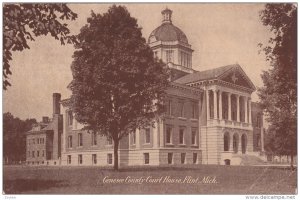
70, 118
169, 56
258, 121
181, 135
109, 141
181, 108
69, 141
147, 135
194, 137
169, 135
169, 107
194, 110
133, 138
94, 138
80, 142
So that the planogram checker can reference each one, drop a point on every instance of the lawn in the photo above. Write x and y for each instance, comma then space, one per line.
206, 179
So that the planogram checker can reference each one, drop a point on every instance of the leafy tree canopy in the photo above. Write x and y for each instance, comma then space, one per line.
279, 93
117, 84
14, 138
22, 22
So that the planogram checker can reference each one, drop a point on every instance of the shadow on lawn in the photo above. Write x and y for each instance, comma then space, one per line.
19, 186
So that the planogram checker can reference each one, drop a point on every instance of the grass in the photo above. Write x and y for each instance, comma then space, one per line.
89, 180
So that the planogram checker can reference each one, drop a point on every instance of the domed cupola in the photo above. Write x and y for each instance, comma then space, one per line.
170, 44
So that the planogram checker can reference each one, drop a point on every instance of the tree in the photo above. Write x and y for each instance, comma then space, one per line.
23, 22
117, 84
14, 138
279, 93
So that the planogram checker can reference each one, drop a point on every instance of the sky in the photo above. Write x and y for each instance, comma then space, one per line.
220, 34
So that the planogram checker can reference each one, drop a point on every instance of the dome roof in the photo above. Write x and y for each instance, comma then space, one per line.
168, 32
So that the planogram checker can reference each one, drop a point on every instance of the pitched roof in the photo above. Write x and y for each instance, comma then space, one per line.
205, 75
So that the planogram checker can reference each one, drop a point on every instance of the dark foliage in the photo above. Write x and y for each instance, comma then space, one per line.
14, 138
22, 22
117, 84
279, 93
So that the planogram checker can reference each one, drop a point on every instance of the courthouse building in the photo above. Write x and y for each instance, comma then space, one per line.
209, 118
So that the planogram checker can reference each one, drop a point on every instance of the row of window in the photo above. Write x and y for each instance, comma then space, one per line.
94, 159
80, 140
146, 158
32, 154
182, 138
181, 106
36, 141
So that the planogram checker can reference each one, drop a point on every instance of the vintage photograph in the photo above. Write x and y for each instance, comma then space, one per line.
150, 98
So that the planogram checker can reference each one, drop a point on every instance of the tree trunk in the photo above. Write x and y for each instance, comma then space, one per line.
116, 156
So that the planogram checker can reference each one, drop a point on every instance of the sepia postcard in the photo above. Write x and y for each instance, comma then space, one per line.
150, 98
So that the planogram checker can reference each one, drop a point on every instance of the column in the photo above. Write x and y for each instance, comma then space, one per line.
238, 108
161, 132
250, 117
220, 105
229, 106
246, 109
207, 105
215, 105
155, 135
137, 138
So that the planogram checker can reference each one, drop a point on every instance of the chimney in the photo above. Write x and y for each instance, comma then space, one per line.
56, 100
45, 119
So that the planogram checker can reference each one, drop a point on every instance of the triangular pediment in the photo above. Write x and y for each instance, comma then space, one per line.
237, 76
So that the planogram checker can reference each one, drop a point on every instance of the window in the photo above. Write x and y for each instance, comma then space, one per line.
182, 156
80, 139
70, 118
169, 107
181, 109
258, 124
109, 158
94, 138
109, 141
195, 158
235, 143
133, 137
146, 158
169, 56
69, 141
28, 153
226, 141
168, 135
33, 141
43, 153
194, 137
94, 159
38, 140
69, 159
170, 158
80, 159
28, 142
147, 135
194, 110
38, 153
33, 154
181, 136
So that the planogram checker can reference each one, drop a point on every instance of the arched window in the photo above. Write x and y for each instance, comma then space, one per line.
235, 143
226, 141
